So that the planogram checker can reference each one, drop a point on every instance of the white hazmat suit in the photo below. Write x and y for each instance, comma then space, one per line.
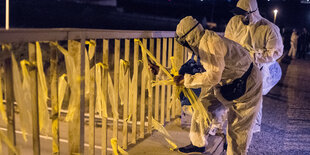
224, 61
264, 42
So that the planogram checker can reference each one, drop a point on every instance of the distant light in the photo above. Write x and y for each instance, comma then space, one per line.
201, 0
275, 11
268, 0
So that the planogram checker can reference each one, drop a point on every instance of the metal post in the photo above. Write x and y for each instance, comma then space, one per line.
54, 100
35, 108
7, 14
10, 103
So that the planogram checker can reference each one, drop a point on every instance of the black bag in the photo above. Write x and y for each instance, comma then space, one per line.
237, 88
190, 67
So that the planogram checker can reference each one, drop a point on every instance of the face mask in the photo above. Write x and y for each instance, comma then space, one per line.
246, 20
182, 41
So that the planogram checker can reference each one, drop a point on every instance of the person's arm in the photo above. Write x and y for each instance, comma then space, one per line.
211, 54
229, 29
273, 49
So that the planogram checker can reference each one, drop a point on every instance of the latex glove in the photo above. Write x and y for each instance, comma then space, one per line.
179, 80
153, 67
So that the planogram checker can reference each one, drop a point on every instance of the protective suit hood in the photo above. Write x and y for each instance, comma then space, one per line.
185, 25
250, 6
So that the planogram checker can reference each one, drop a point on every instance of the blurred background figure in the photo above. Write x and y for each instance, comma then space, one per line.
294, 42
303, 44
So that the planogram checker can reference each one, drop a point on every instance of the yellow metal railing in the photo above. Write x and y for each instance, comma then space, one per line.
105, 47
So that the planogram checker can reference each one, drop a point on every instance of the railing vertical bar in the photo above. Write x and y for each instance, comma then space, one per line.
105, 60
179, 60
125, 112
10, 103
116, 84
157, 97
91, 101
150, 98
142, 98
76, 125
168, 115
173, 106
82, 95
35, 108
135, 93
163, 87
54, 99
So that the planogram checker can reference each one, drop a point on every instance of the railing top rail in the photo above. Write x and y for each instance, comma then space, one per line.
54, 34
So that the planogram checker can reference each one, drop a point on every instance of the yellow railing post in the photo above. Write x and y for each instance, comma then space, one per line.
142, 99
76, 125
10, 102
163, 87
135, 93
158, 51
91, 99
105, 60
125, 108
35, 108
150, 99
169, 87
54, 99
116, 84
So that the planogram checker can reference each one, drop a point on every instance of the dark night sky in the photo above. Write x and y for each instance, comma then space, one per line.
139, 14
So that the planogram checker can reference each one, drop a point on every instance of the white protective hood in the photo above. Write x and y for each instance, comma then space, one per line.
249, 6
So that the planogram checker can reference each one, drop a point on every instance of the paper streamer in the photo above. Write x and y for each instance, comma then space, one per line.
72, 67
42, 92
197, 105
62, 87
101, 105
2, 110
112, 93
24, 113
160, 128
6, 141
117, 148
124, 67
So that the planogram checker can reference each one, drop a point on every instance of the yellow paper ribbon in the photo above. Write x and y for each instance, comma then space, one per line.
117, 148
197, 105
19, 94
112, 97
100, 98
72, 67
62, 87
124, 67
2, 110
42, 93
160, 128
6, 141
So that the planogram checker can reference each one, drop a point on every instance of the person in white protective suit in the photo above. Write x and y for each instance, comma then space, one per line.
263, 41
294, 41
233, 78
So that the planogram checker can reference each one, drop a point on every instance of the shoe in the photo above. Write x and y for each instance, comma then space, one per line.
192, 149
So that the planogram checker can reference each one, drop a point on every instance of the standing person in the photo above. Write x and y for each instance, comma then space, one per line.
304, 43
234, 80
263, 41
294, 42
